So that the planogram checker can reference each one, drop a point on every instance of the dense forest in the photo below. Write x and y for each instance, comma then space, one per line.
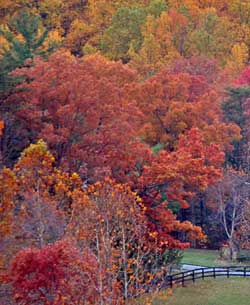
124, 139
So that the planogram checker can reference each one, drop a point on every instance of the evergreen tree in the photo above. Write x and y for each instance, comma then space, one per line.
235, 109
25, 39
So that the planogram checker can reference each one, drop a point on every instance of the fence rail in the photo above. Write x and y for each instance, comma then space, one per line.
205, 272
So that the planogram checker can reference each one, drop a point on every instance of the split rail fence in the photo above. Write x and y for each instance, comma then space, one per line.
205, 272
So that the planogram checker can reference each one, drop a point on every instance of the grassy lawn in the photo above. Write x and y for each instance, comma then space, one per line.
209, 258
221, 291
201, 257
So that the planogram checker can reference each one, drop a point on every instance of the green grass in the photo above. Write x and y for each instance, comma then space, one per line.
209, 258
221, 291
201, 257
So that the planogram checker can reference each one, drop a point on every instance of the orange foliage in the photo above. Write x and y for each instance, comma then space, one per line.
114, 221
84, 114
1, 127
35, 200
173, 103
8, 192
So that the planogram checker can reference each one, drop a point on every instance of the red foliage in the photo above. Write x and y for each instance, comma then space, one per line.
175, 103
81, 108
177, 176
199, 66
55, 274
191, 167
244, 78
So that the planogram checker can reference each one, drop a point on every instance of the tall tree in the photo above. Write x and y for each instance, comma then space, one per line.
25, 38
173, 103
213, 36
124, 31
113, 221
163, 41
236, 109
174, 178
230, 195
35, 200
85, 114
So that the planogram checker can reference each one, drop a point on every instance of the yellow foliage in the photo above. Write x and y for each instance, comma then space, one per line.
3, 44
238, 59
53, 10
54, 38
191, 5
157, 49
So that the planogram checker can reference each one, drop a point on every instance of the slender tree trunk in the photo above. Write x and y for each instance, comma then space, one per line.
193, 220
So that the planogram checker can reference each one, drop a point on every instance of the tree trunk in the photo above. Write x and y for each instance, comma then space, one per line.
233, 250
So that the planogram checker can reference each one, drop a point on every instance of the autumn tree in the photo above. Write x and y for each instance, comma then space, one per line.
214, 36
86, 31
239, 10
42, 204
198, 66
124, 31
85, 115
163, 38
35, 202
112, 220
108, 218
238, 59
39, 222
25, 38
56, 274
173, 103
243, 79
8, 192
173, 179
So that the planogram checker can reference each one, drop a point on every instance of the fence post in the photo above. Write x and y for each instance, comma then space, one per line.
245, 271
214, 272
182, 280
193, 276
228, 272
203, 274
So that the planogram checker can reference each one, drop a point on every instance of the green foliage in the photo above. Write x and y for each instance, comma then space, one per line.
168, 260
213, 37
173, 257
156, 7
233, 110
25, 40
124, 31
174, 206
157, 148
233, 106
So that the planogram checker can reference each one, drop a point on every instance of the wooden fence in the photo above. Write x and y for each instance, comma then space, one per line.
205, 272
